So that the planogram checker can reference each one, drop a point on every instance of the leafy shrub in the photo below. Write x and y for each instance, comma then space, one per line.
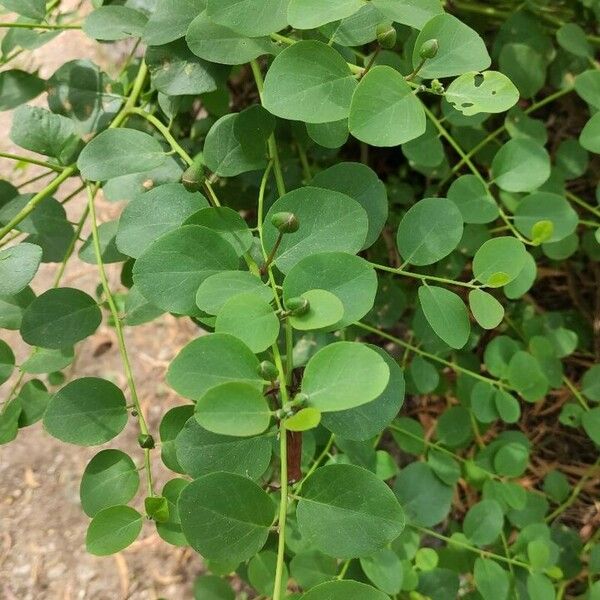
390, 248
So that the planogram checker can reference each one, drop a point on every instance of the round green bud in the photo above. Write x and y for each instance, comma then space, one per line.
429, 48
297, 306
286, 222
193, 177
267, 370
386, 36
145, 440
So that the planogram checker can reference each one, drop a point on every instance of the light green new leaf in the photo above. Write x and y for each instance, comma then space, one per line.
60, 317
303, 420
310, 82
325, 309
87, 412
118, 152
18, 266
209, 361
343, 590
112, 530
225, 516
429, 231
343, 375
544, 206
345, 511
461, 49
446, 313
170, 270
252, 18
170, 20
384, 111
499, 261
521, 165
487, 92
483, 523
414, 13
488, 312
491, 580
221, 45
590, 136
329, 222
110, 23
234, 408
310, 14
250, 319
110, 478
32, 9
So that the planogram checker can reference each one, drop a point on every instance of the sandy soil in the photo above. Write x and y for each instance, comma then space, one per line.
42, 526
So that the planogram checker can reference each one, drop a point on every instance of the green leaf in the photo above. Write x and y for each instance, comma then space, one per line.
346, 511
415, 13
310, 14
109, 23
236, 409
384, 110
107, 233
384, 570
13, 307
460, 48
540, 587
181, 260
590, 136
508, 406
9, 421
473, 199
18, 87
502, 255
573, 39
310, 568
325, 309
201, 452
33, 398
209, 361
170, 20
110, 478
262, 570
363, 185
32, 9
329, 222
247, 17
18, 266
587, 86
590, 421
170, 530
225, 516
487, 92
446, 313
424, 497
176, 71
211, 587
87, 412
544, 206
150, 215
343, 590
7, 361
221, 45
329, 135
524, 280
491, 580
112, 530
350, 278
488, 312
590, 383
344, 375
429, 231
521, 165
303, 420
310, 82
526, 376
171, 425
357, 29
483, 523
60, 317
118, 152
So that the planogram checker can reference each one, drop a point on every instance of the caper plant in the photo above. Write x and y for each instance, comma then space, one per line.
382, 216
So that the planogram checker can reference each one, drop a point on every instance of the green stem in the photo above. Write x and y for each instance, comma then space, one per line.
592, 209
261, 207
37, 199
316, 463
579, 397
71, 248
136, 92
119, 332
47, 26
31, 161
399, 271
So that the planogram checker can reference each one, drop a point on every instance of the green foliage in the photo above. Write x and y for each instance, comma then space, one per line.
354, 202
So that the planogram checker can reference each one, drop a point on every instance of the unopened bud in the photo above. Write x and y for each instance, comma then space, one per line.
298, 306
145, 440
429, 48
267, 370
193, 177
286, 222
386, 36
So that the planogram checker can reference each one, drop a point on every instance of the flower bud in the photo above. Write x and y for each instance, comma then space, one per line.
386, 36
193, 177
145, 440
286, 222
429, 48
297, 306
267, 370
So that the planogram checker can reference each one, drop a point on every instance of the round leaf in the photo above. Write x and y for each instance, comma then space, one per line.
18, 266
546, 207
502, 255
325, 309
112, 530
483, 523
343, 590
521, 165
487, 92
488, 312
247, 17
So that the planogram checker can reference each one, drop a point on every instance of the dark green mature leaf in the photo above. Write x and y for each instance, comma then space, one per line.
590, 136
384, 110
310, 14
446, 313
473, 199
225, 516
483, 523
310, 82
491, 580
499, 261
521, 165
18, 87
7, 361
181, 260
59, 318
544, 206
170, 20
109, 253
86, 412
18, 266
415, 13
112, 530
118, 152
110, 478
248, 17
346, 511
114, 22
343, 590
33, 9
